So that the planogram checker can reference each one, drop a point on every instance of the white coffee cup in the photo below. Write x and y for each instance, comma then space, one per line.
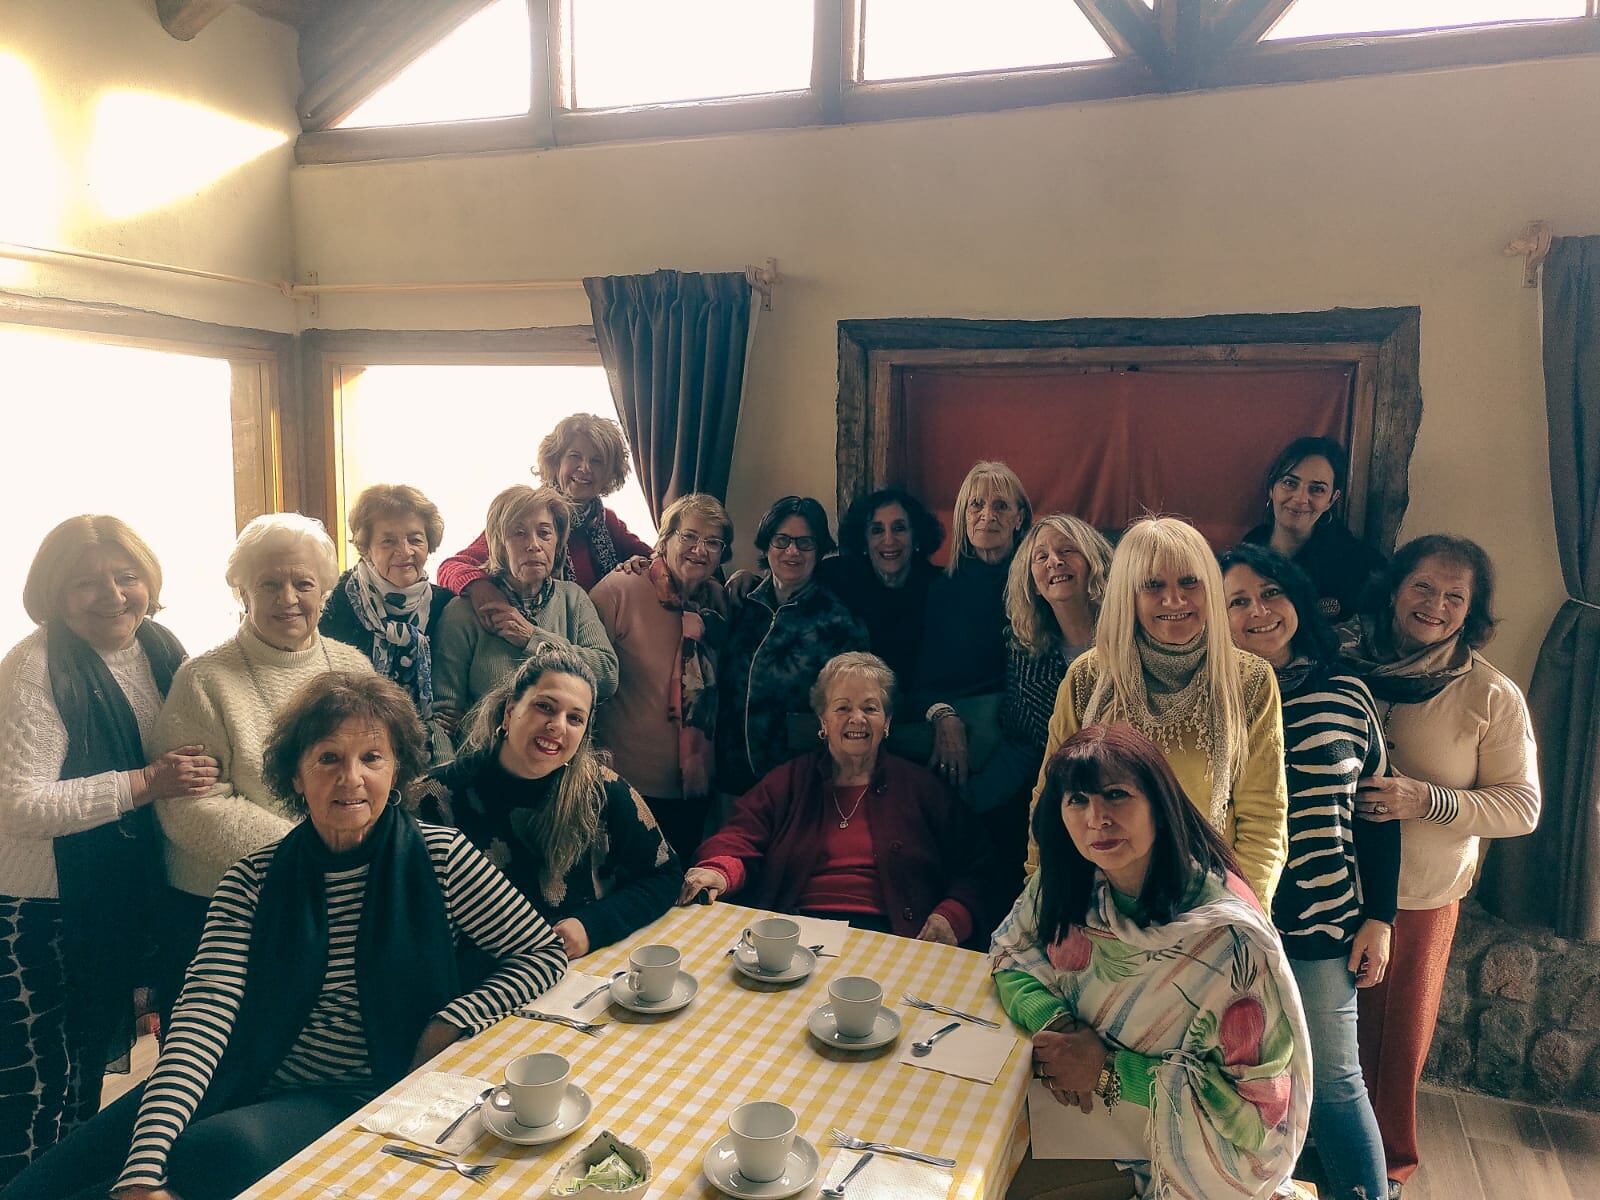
774, 940
655, 971
856, 1001
535, 1085
763, 1132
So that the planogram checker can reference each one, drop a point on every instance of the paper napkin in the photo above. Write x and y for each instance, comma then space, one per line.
419, 1109
888, 1177
971, 1052
557, 1002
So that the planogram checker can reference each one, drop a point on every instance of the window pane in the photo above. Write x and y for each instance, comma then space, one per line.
140, 434
497, 416
904, 39
1322, 18
654, 52
482, 68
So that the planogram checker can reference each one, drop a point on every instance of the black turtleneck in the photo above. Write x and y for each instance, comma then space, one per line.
964, 634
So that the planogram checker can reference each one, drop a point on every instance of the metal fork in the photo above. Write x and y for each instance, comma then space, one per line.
841, 1138
477, 1172
930, 1006
534, 1014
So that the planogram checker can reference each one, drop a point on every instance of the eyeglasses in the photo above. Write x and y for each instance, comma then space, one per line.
782, 541
691, 540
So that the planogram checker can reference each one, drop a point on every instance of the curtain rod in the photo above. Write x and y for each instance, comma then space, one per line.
762, 279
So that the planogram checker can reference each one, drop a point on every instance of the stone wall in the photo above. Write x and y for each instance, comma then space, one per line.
1521, 1014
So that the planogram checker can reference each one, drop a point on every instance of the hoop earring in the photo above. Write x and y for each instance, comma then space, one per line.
822, 735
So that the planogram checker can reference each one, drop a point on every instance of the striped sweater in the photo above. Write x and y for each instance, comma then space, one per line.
1340, 871
480, 904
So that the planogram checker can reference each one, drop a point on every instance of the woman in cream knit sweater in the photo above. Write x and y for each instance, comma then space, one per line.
1164, 662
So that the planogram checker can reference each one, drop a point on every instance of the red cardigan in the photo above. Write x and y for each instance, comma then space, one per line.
931, 855
466, 566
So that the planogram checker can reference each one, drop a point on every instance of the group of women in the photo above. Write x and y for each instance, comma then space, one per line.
1189, 773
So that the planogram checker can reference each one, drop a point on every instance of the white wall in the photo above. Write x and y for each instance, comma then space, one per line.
118, 139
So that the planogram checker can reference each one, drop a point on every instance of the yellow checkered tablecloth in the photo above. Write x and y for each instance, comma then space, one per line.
667, 1084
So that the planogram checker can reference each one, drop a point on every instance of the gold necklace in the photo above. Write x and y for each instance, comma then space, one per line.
845, 818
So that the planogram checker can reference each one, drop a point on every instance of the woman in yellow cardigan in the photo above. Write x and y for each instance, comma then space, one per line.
1164, 662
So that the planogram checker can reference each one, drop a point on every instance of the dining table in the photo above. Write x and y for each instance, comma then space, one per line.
667, 1083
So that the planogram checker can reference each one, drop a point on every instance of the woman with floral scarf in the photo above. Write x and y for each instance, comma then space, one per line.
1142, 965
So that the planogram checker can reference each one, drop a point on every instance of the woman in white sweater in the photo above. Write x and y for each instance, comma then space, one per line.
78, 866
1465, 768
226, 699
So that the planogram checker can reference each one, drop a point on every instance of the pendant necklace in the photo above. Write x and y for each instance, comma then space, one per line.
844, 817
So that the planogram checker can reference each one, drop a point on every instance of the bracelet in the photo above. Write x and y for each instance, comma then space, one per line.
1109, 1086
938, 712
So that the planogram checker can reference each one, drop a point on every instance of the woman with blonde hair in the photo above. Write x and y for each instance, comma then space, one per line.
1164, 662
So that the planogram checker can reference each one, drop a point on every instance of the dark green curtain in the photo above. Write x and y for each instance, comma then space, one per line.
1553, 877
673, 344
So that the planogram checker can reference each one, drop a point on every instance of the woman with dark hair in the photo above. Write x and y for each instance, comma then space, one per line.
1144, 969
781, 632
1335, 903
1306, 481
882, 571
326, 972
1465, 768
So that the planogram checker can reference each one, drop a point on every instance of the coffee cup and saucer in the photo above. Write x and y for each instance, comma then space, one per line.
654, 983
854, 1017
770, 951
537, 1103
761, 1157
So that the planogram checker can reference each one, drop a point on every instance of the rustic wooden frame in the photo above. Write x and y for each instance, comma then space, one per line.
1381, 344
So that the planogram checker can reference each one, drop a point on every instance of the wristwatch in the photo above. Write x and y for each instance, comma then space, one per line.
1109, 1086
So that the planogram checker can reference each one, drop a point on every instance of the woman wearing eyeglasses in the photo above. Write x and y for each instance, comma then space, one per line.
666, 623
781, 633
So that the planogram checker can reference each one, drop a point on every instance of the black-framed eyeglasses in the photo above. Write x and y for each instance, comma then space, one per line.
782, 541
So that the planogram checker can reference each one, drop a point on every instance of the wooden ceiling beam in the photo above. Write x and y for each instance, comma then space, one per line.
1130, 29
1243, 22
185, 18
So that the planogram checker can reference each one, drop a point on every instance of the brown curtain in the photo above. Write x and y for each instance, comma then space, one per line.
1553, 876
673, 344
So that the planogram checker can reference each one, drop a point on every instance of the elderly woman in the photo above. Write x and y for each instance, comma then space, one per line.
1465, 768
1305, 482
527, 530
1164, 663
780, 634
79, 864
882, 572
327, 970
585, 459
225, 701
1144, 970
384, 605
530, 791
850, 833
1335, 904
666, 625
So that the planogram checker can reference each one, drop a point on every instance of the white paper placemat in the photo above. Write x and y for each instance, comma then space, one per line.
1061, 1132
830, 935
420, 1110
886, 1177
558, 1000
971, 1052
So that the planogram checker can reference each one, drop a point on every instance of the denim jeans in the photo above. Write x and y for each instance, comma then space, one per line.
1347, 1135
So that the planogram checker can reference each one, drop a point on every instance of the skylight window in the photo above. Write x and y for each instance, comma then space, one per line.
482, 68
1330, 18
908, 39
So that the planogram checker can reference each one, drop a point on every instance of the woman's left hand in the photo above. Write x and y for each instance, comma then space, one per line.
513, 627
1391, 798
1070, 1064
574, 937
1369, 953
937, 929
438, 1035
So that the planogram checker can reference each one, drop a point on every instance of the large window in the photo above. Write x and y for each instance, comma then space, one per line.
904, 39
1324, 18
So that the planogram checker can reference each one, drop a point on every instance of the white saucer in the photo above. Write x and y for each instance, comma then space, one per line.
683, 991
503, 1123
801, 965
825, 1028
800, 1172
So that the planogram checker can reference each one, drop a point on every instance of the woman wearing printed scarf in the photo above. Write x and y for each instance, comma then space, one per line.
530, 791
1163, 662
1465, 768
1146, 972
585, 459
327, 971
385, 605
666, 624
1335, 904
527, 531
80, 868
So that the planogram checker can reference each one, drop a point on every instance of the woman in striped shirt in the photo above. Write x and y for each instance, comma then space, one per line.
1336, 901
326, 972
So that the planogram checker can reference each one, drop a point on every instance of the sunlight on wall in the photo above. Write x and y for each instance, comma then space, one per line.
30, 203
148, 150
139, 434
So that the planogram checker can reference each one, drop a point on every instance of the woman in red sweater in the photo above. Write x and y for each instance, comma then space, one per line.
849, 833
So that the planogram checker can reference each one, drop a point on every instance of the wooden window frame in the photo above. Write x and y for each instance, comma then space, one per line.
1382, 345
263, 405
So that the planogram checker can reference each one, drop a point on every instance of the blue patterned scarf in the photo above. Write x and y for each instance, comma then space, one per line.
397, 618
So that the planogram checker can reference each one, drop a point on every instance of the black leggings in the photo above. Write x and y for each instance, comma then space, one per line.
213, 1159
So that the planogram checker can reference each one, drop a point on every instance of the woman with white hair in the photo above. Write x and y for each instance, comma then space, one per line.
1164, 662
225, 701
